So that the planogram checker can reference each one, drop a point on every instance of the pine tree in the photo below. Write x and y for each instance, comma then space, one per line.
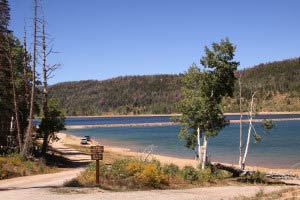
6, 106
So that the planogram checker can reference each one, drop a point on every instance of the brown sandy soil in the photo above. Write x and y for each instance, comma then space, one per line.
291, 193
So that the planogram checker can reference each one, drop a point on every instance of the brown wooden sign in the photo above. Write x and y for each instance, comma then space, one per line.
97, 152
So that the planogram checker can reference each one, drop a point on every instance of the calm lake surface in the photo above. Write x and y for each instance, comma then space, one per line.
153, 119
279, 149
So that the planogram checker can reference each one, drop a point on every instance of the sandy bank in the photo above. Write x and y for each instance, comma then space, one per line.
181, 162
161, 124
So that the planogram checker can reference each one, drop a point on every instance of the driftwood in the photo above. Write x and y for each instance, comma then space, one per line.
283, 176
238, 173
235, 172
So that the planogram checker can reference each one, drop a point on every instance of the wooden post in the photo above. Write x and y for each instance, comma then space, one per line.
97, 154
97, 172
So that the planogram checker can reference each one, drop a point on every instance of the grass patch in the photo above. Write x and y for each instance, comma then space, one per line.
64, 191
292, 193
256, 177
14, 165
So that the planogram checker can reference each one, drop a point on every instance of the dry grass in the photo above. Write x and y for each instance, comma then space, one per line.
292, 193
14, 166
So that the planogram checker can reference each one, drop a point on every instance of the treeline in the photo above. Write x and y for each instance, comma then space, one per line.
277, 83
22, 94
123, 95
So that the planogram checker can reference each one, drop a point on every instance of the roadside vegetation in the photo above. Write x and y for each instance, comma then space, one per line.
135, 174
14, 165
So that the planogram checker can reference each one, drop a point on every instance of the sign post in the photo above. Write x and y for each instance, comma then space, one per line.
97, 154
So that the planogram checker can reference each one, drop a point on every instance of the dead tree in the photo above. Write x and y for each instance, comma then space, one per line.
13, 82
25, 69
47, 74
28, 136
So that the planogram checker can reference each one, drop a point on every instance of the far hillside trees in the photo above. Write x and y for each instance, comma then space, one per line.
158, 94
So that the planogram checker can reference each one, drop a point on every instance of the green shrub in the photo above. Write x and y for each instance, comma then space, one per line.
204, 175
257, 177
189, 173
222, 174
72, 183
170, 170
102, 167
119, 168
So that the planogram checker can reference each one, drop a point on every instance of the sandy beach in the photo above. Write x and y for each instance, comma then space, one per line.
181, 162
162, 123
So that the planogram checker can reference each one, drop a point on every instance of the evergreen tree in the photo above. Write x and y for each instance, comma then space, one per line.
6, 106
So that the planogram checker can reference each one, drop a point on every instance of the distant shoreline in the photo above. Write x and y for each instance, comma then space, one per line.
177, 114
161, 124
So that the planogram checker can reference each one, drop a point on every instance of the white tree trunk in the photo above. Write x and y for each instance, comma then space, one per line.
249, 132
241, 125
204, 152
199, 144
12, 124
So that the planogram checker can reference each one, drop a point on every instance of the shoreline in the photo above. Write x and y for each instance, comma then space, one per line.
181, 162
177, 114
161, 124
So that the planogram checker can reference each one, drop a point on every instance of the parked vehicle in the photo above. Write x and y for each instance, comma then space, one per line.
88, 138
83, 140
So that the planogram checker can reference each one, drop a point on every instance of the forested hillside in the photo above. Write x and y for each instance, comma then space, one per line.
277, 83
122, 95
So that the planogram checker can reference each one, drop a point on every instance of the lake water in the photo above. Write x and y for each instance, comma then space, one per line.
279, 149
153, 119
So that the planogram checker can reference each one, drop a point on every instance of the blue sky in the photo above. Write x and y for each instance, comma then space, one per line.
101, 39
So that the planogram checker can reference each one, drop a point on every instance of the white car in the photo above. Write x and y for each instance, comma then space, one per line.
83, 140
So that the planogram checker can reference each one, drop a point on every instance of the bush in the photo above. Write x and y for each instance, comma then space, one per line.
102, 167
119, 168
190, 174
170, 170
150, 176
73, 183
257, 177
14, 165
86, 178
222, 174
204, 175
136, 174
